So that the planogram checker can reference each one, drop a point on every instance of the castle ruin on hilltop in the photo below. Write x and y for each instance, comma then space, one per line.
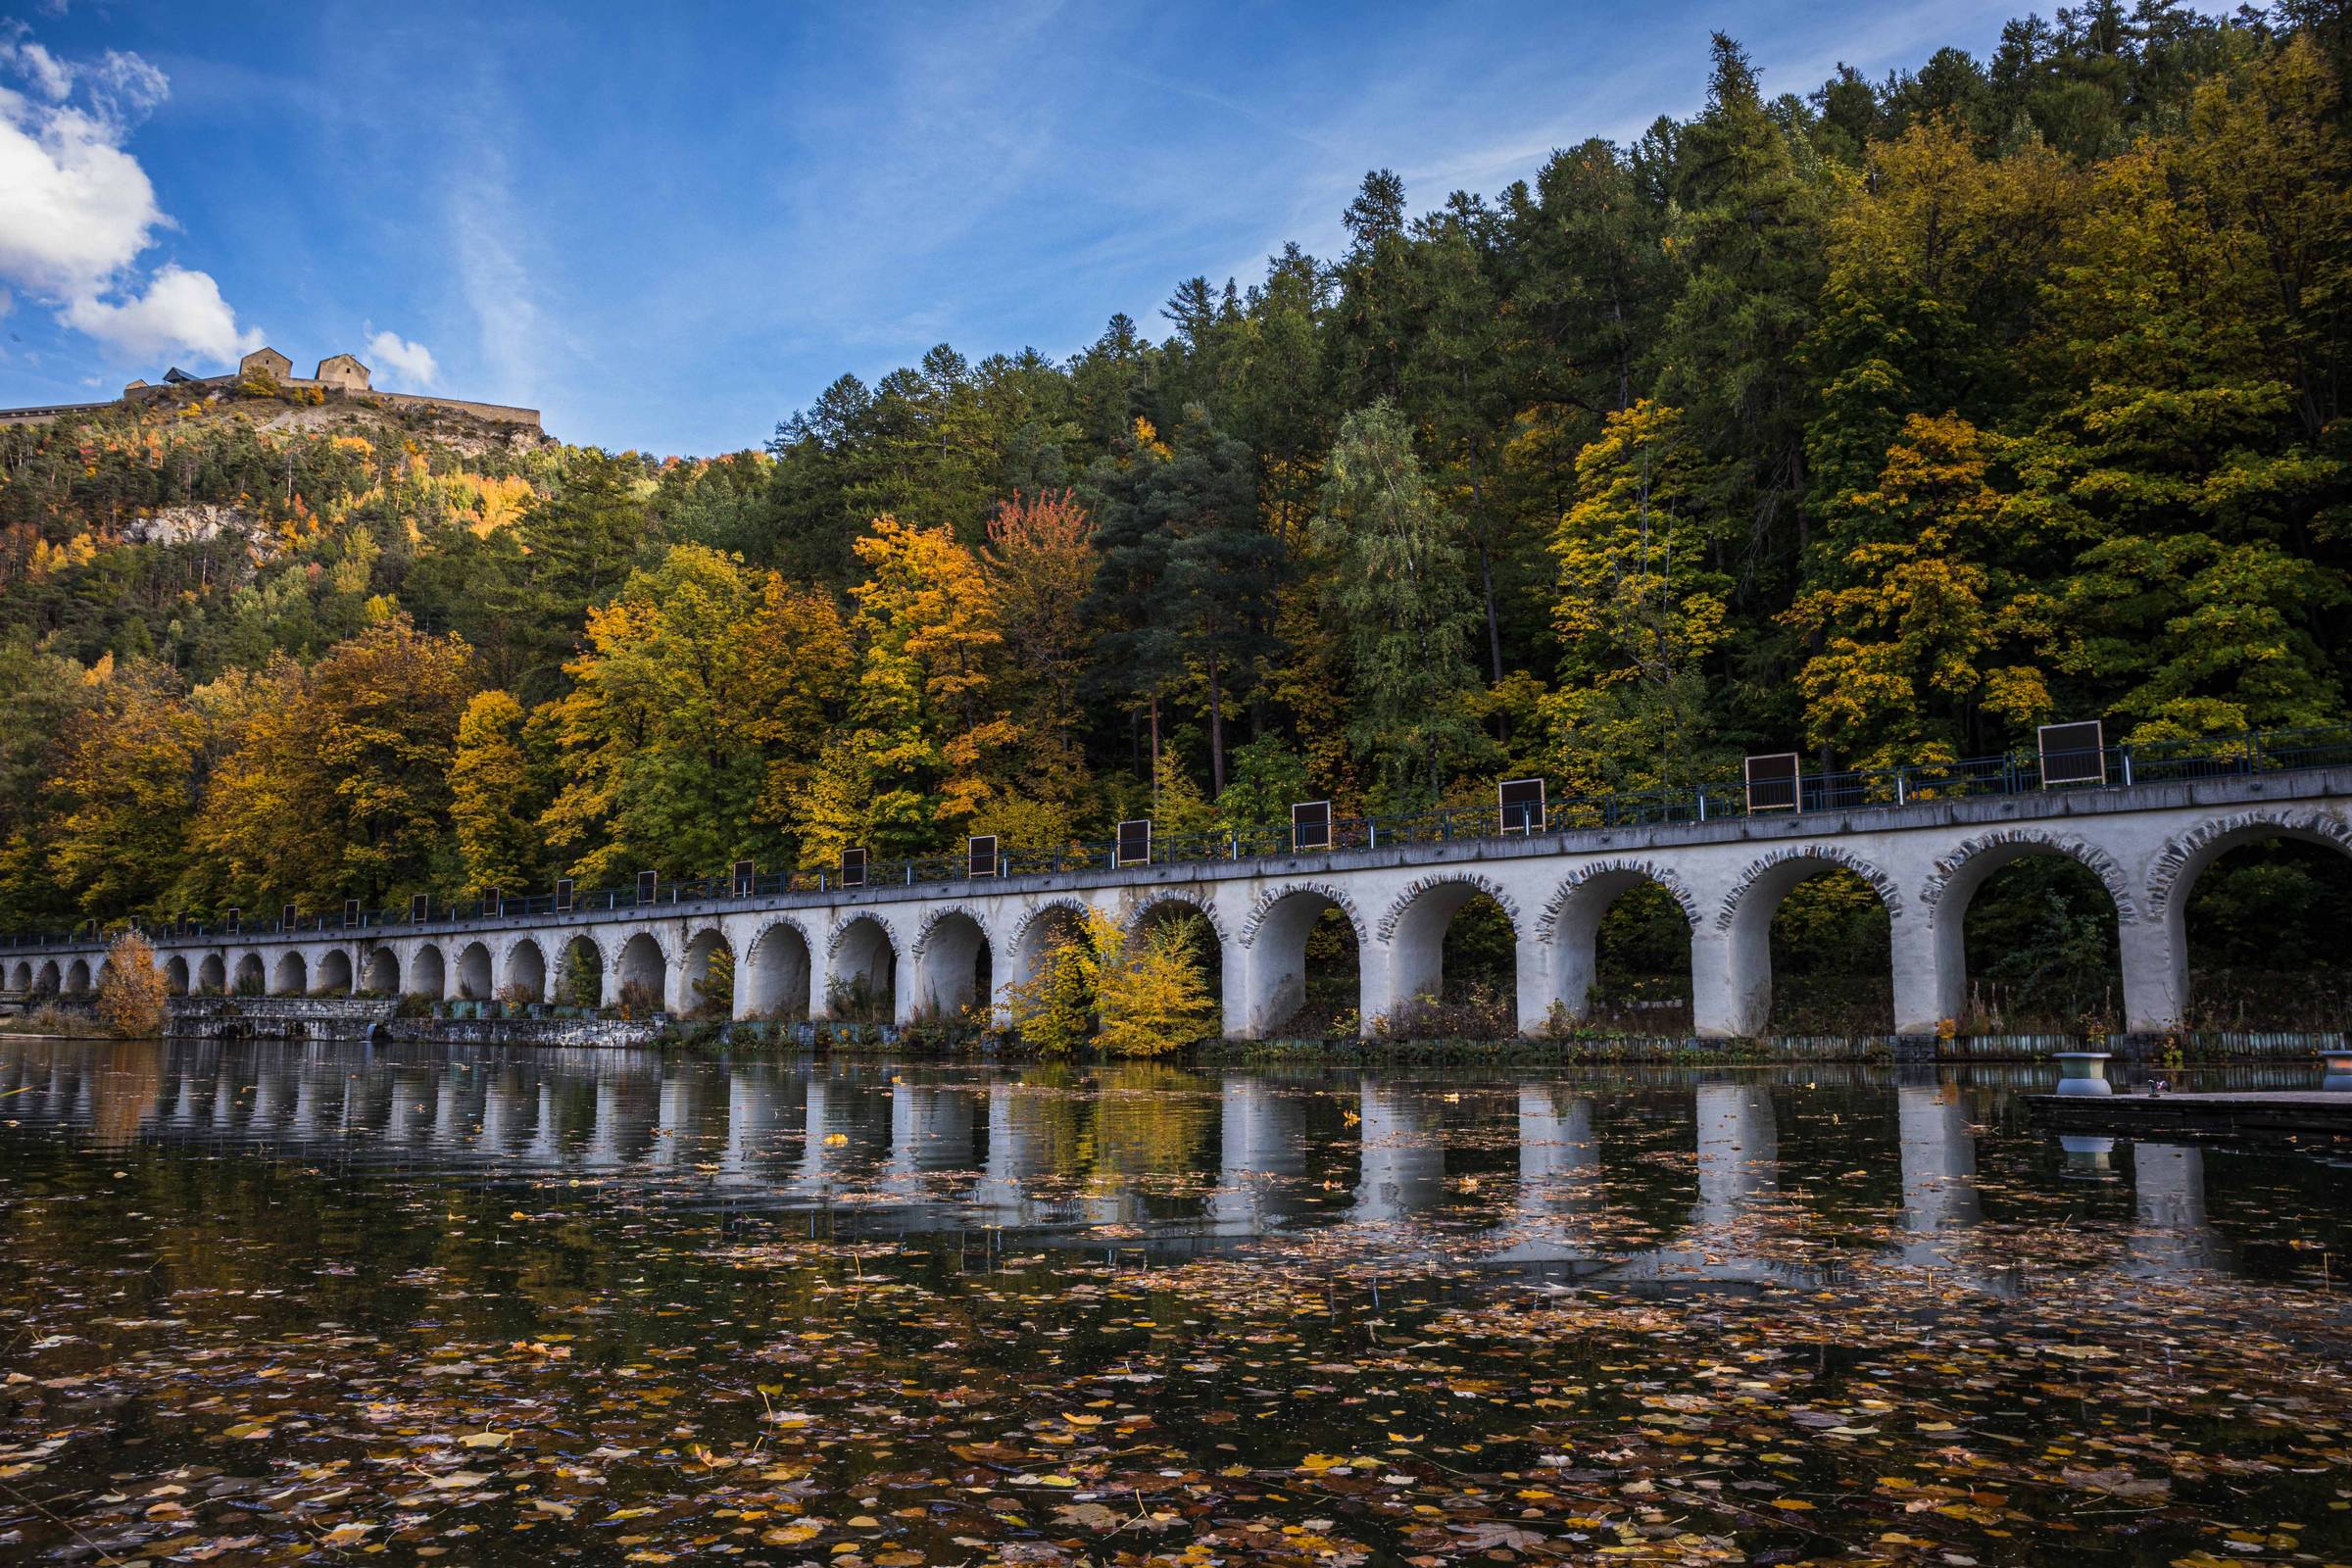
341, 374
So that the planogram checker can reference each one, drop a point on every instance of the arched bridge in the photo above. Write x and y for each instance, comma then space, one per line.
916, 945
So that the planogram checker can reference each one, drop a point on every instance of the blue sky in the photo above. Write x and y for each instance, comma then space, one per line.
670, 225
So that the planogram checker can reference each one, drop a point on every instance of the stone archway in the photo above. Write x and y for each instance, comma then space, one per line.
428, 975
1276, 938
474, 981
774, 977
1568, 933
333, 975
1733, 994
708, 980
862, 979
952, 963
77, 977
382, 974
251, 980
1928, 996
212, 974
175, 975
526, 971
641, 973
291, 977
1414, 931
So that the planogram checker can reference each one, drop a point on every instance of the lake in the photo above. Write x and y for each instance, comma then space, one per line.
269, 1300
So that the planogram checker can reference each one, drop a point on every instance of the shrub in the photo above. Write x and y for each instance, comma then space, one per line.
131, 993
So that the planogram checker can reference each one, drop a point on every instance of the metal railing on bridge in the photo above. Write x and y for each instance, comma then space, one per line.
2017, 772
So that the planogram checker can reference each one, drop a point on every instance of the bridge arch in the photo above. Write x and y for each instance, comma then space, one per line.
333, 973
580, 973
707, 977
641, 972
2159, 986
380, 974
428, 973
20, 975
474, 980
77, 977
48, 978
954, 963
1042, 931
861, 963
524, 968
772, 979
1275, 939
252, 979
175, 975
1953, 882
1736, 990
292, 975
1414, 931
1568, 931
2185, 858
212, 974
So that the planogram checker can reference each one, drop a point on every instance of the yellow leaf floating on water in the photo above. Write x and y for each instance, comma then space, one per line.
487, 1440
791, 1535
1792, 1505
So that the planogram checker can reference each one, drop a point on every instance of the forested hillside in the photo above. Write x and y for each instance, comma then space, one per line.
1879, 419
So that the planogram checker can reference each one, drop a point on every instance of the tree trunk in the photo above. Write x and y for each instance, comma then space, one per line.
1217, 733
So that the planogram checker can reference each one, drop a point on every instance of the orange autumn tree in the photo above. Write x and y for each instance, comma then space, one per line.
1041, 562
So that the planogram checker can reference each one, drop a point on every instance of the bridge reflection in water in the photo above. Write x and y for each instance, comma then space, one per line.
1642, 1178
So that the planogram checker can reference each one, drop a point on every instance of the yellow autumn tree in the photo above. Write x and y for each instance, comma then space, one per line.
132, 991
1924, 633
1151, 995
923, 716
491, 795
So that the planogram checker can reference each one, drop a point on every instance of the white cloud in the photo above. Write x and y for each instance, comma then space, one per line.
47, 74
77, 211
180, 310
411, 363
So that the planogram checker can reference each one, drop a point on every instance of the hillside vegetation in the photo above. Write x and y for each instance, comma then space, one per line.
1883, 421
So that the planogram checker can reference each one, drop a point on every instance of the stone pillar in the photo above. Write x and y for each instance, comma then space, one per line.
1233, 964
1931, 971
1730, 985
1538, 985
1380, 986
2155, 960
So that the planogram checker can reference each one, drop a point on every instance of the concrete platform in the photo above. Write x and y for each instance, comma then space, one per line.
2169, 1118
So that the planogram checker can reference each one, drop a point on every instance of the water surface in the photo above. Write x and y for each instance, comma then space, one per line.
500, 1305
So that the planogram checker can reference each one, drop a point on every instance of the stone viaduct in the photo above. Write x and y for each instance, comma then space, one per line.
922, 946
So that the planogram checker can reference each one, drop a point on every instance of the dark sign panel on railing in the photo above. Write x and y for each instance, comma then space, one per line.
648, 884
746, 874
1134, 846
288, 918
351, 911
421, 906
1519, 804
2073, 754
563, 894
236, 921
853, 868
980, 856
1310, 825
1773, 782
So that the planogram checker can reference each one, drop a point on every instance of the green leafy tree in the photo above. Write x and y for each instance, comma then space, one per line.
1399, 586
